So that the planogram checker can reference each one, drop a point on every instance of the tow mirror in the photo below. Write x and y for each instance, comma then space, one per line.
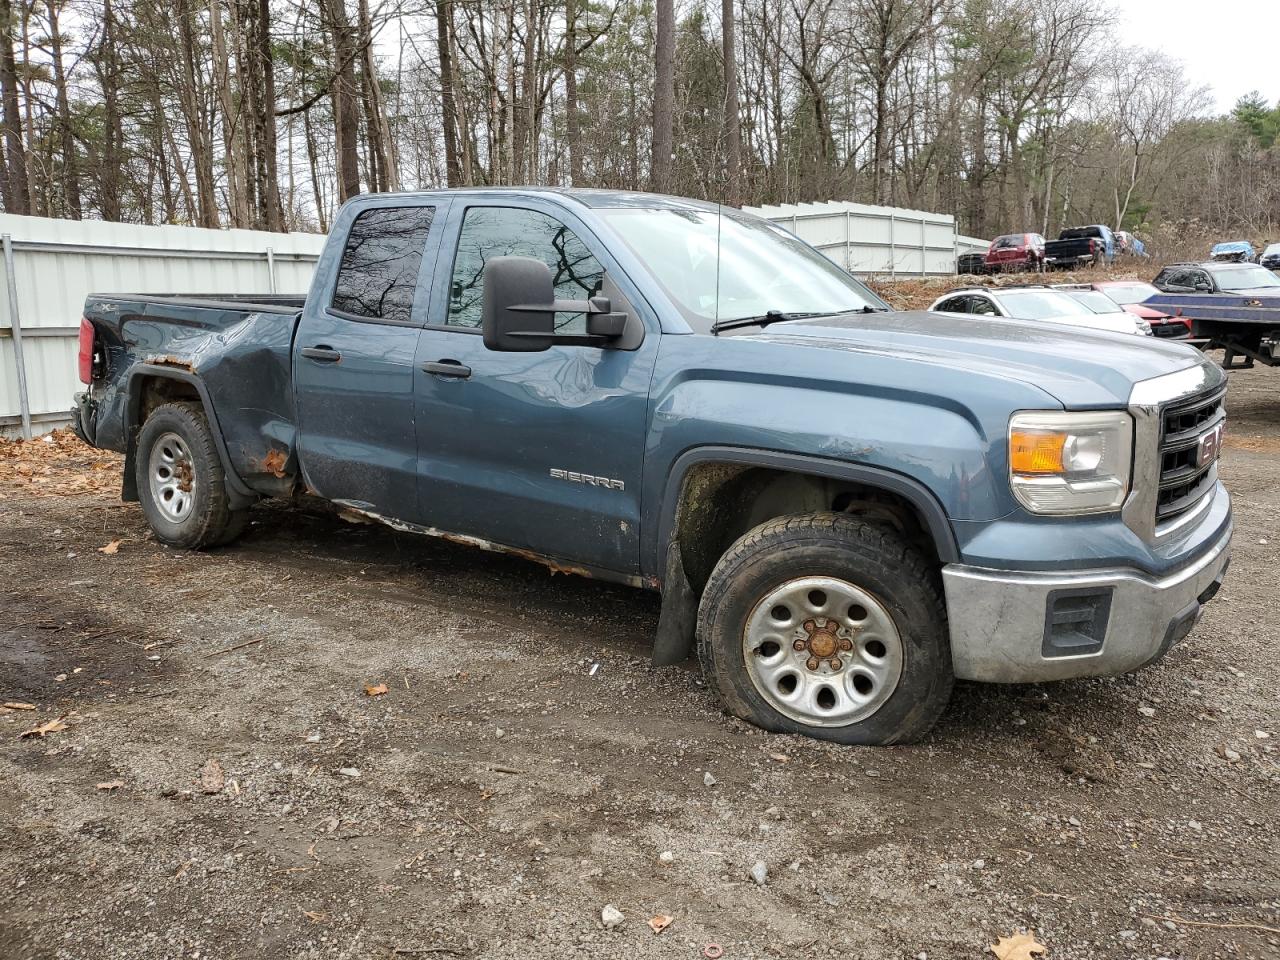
520, 306
517, 313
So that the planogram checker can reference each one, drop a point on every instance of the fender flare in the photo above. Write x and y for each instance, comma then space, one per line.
913, 491
241, 494
674, 638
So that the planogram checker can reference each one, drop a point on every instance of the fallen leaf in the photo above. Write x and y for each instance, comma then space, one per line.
780, 757
111, 548
15, 705
315, 916
375, 689
53, 726
212, 779
1020, 946
660, 922
110, 785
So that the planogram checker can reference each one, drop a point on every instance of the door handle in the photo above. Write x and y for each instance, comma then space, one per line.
447, 368
321, 354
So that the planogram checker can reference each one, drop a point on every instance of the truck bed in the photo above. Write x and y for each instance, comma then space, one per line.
233, 351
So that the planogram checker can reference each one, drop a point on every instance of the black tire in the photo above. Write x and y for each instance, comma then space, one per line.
210, 521
870, 556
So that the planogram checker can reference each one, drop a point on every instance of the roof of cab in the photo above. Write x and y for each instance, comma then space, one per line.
587, 197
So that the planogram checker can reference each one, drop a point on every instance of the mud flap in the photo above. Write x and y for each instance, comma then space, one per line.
678, 621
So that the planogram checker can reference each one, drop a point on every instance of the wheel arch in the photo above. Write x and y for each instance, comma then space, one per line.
150, 386
715, 494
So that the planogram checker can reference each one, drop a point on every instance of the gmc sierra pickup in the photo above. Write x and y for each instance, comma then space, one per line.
843, 507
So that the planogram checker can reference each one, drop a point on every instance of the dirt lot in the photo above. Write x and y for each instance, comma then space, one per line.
526, 766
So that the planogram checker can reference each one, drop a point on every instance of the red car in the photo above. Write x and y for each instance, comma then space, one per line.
1130, 294
1015, 251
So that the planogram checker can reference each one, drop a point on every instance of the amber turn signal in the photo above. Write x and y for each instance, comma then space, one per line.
1036, 452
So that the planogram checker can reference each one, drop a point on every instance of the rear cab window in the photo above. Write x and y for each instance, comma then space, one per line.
378, 275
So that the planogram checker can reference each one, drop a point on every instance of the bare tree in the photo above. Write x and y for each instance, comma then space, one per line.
664, 96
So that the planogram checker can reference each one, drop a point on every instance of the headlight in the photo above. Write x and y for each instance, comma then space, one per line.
1144, 328
1063, 462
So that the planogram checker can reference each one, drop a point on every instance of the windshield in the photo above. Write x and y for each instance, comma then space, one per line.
1246, 278
1130, 292
1096, 302
762, 268
1040, 305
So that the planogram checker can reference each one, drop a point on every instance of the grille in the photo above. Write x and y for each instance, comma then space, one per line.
1183, 481
1169, 329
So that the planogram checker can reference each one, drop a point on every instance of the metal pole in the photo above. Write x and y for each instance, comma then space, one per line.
271, 268
11, 281
924, 250
893, 250
848, 236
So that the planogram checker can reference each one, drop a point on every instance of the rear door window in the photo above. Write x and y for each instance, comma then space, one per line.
378, 275
983, 307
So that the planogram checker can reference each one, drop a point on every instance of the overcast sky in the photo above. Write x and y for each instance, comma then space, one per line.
1228, 45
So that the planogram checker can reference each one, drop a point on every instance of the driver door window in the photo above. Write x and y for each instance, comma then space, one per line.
489, 232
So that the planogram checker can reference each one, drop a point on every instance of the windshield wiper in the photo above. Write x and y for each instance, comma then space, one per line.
777, 316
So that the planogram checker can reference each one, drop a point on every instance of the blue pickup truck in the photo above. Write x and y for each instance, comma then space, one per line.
844, 508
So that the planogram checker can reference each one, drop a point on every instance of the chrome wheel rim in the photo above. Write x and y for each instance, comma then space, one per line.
822, 651
173, 480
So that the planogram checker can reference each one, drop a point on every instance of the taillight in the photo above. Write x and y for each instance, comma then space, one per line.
86, 350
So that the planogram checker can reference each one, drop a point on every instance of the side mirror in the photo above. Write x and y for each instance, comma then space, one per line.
517, 314
520, 308
602, 321
1203, 287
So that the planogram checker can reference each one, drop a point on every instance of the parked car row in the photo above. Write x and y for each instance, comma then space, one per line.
1093, 245
1115, 306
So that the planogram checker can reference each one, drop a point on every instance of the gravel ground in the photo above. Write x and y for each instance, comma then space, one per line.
526, 767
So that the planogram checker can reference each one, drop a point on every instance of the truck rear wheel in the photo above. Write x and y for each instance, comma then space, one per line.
181, 484
830, 626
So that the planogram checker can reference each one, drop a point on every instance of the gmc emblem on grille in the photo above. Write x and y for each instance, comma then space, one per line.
1210, 446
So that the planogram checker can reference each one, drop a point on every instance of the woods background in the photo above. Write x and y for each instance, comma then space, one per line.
1011, 114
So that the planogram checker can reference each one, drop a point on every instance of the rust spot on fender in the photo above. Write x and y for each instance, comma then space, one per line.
273, 463
166, 360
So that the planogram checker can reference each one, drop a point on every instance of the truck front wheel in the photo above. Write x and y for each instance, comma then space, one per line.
181, 484
827, 625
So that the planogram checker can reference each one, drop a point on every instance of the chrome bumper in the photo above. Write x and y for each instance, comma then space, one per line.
1009, 627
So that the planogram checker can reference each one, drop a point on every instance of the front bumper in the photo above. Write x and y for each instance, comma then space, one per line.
1025, 627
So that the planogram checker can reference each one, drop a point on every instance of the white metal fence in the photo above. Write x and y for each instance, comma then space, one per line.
876, 240
51, 266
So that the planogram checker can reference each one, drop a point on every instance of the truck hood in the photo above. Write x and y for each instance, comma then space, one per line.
1079, 367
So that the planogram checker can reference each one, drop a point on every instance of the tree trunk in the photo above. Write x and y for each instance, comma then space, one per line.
448, 108
345, 113
191, 95
234, 159
732, 118
110, 172
664, 96
66, 135
17, 195
571, 120
272, 214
